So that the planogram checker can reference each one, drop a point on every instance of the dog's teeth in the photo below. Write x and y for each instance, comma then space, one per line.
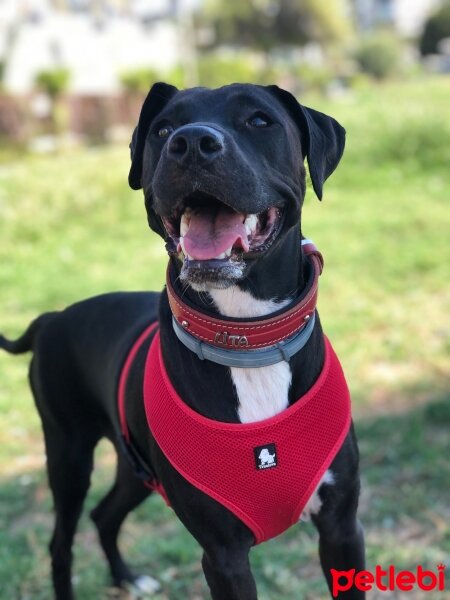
222, 255
228, 252
184, 224
250, 223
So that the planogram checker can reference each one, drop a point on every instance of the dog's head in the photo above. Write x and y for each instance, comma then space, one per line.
223, 175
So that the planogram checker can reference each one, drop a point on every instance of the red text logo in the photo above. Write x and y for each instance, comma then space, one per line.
388, 579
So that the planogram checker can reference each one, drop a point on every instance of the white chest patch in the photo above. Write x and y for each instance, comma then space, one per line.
262, 391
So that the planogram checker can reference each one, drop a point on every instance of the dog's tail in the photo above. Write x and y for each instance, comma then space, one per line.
26, 340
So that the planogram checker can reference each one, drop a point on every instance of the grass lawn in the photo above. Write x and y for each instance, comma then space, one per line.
71, 228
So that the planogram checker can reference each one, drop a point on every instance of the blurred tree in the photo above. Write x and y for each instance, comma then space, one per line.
136, 84
215, 71
138, 81
264, 24
379, 54
436, 28
54, 83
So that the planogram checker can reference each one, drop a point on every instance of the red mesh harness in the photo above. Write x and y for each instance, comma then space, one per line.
263, 472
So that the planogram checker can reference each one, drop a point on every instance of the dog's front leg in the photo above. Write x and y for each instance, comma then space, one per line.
227, 571
341, 547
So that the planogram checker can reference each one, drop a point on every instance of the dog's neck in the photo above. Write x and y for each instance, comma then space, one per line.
238, 303
273, 282
255, 393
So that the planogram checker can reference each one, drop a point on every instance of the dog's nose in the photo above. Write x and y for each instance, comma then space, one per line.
195, 142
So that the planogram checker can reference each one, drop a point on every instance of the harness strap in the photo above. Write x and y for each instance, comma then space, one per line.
138, 464
124, 378
265, 471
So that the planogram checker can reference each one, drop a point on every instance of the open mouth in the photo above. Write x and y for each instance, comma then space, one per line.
205, 229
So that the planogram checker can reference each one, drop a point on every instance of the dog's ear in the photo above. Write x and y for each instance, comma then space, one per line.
323, 139
157, 98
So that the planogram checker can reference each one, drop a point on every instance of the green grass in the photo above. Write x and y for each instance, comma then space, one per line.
71, 228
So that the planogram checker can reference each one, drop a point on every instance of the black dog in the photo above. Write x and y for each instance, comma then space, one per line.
210, 162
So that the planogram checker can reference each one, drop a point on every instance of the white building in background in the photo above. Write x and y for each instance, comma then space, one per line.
407, 17
412, 14
96, 41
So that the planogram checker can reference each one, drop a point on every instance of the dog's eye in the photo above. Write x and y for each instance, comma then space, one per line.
259, 119
164, 131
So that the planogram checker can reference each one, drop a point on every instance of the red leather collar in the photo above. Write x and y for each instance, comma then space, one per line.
241, 334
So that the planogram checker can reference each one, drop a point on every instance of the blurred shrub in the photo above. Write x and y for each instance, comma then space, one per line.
215, 71
312, 78
267, 24
379, 55
53, 81
396, 137
423, 140
359, 81
177, 77
436, 28
138, 81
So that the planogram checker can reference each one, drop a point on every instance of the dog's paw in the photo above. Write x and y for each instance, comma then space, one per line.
142, 586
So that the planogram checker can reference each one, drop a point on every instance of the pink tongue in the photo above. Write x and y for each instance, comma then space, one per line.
213, 230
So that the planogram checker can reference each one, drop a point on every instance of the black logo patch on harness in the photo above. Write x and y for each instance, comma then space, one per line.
265, 456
